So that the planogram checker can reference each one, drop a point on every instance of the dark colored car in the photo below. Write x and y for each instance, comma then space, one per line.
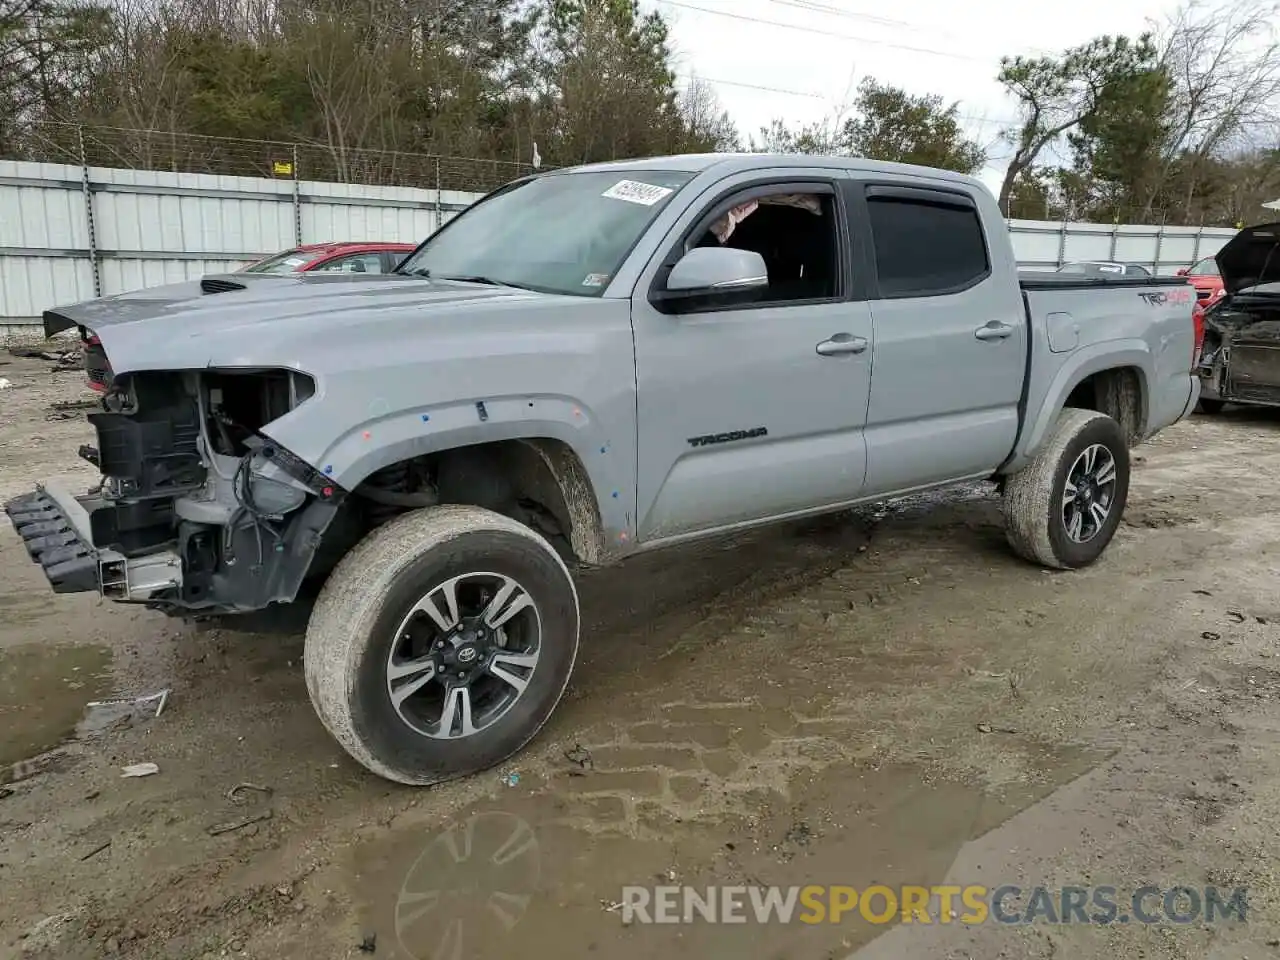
335, 258
1105, 268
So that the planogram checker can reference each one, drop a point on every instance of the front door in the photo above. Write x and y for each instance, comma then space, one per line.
756, 411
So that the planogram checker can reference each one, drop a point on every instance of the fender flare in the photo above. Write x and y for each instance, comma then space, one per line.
1111, 355
555, 435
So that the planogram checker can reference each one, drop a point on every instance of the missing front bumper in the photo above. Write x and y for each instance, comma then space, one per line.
69, 563
56, 529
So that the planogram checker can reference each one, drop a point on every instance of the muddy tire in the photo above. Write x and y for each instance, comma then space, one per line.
441, 643
1210, 407
1063, 508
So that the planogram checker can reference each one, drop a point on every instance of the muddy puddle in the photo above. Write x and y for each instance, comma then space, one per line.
43, 693
517, 877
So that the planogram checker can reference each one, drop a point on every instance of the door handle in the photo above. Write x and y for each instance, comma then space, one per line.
841, 344
995, 330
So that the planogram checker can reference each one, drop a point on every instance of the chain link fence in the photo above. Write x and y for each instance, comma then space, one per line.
118, 147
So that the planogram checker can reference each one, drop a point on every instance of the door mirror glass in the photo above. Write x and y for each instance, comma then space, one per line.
707, 271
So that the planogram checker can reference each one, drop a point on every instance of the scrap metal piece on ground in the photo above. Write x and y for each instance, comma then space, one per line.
95, 851
162, 697
220, 828
234, 793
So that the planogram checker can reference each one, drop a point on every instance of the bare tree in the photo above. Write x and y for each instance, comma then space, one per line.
707, 121
1224, 63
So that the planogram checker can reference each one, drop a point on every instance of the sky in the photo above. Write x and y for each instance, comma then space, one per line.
811, 54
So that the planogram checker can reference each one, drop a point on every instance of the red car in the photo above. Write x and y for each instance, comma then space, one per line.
335, 258
1206, 278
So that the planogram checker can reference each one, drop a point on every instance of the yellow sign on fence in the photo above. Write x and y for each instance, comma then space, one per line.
282, 168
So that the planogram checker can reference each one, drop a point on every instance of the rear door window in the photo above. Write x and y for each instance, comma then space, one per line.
925, 248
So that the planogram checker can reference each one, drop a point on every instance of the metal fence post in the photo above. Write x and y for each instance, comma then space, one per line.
1159, 245
1115, 236
1195, 250
297, 201
1062, 242
88, 213
439, 199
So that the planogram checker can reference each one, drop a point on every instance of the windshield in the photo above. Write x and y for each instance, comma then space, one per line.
286, 262
560, 233
1208, 267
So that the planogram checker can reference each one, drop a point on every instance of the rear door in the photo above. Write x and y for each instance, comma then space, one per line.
743, 413
950, 332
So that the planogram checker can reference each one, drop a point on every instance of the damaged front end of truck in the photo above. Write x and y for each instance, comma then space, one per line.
196, 511
1240, 360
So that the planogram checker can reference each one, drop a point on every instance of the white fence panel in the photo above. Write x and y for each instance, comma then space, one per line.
68, 233
1045, 245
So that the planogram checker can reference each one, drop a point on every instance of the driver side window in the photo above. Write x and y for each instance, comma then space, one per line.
795, 234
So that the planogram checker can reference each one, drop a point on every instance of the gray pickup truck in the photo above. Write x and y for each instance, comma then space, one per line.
583, 365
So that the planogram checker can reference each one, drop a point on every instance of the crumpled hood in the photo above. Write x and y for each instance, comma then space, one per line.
234, 318
1251, 257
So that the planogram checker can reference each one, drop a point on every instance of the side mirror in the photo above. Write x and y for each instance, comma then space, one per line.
1183, 271
715, 276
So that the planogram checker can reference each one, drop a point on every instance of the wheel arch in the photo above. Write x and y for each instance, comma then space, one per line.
522, 476
1120, 393
1107, 379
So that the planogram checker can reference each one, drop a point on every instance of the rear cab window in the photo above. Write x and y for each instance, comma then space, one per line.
926, 242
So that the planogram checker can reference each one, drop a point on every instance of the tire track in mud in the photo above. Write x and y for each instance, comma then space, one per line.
817, 670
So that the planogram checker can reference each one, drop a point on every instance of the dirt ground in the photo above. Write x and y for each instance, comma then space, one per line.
888, 696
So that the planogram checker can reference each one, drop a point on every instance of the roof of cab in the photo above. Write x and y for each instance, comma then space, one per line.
730, 163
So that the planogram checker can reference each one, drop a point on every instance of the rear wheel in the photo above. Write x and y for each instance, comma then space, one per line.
1210, 407
442, 643
1063, 508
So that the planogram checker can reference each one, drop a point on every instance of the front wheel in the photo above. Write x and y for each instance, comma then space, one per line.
1063, 508
442, 643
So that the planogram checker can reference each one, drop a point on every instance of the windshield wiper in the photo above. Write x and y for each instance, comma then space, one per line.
426, 273
487, 281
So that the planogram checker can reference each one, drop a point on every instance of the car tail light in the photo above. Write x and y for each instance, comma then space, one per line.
97, 369
1197, 319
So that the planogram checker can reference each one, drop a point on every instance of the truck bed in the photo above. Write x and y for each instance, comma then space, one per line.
1141, 323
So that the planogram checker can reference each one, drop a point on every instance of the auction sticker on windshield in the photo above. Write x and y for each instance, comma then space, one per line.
633, 191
